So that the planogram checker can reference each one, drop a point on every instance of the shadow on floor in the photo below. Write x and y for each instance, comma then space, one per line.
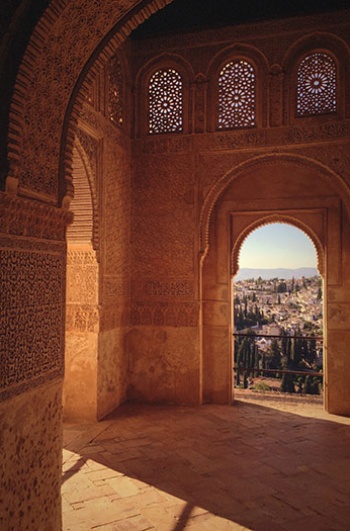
213, 467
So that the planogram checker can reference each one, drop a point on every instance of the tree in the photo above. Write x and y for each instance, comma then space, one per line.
282, 287
275, 355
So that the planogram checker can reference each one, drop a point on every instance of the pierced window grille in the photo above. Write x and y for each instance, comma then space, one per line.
236, 96
115, 92
165, 97
316, 85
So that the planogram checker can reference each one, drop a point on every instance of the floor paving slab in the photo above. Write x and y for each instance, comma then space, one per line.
258, 465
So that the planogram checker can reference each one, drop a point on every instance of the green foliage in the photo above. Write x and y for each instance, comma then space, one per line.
261, 386
282, 287
291, 352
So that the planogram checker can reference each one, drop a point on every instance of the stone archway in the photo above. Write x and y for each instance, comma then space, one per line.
259, 192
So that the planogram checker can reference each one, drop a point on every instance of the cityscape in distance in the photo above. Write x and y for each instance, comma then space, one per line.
245, 273
278, 328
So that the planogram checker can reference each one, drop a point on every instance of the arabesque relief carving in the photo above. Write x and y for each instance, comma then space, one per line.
168, 289
22, 217
178, 315
73, 30
31, 317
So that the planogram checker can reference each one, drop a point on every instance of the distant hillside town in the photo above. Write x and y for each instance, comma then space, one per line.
278, 325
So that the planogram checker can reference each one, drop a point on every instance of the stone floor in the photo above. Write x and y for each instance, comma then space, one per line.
258, 465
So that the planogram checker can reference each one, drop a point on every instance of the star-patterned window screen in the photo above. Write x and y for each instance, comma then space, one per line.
316, 85
165, 97
236, 96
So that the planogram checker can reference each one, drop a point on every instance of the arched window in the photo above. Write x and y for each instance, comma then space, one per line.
316, 85
165, 100
115, 92
236, 95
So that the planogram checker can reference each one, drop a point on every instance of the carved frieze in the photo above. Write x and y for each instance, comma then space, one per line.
168, 144
311, 133
22, 217
82, 318
253, 138
81, 258
165, 289
176, 315
32, 306
88, 115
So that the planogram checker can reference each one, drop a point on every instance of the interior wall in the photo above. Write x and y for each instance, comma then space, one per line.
82, 290
266, 191
163, 340
32, 264
115, 264
182, 178
31, 459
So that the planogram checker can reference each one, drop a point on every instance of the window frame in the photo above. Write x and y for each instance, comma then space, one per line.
142, 80
321, 115
235, 60
177, 131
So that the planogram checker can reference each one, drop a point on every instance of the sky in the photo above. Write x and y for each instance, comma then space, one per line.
277, 245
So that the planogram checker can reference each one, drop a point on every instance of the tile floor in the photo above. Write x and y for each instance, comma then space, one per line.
261, 465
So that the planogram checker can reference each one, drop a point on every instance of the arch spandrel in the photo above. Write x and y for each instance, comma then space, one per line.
335, 183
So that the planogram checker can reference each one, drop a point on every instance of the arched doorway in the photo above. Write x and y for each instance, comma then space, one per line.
277, 314
259, 192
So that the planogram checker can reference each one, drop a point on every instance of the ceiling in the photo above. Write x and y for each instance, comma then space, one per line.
186, 15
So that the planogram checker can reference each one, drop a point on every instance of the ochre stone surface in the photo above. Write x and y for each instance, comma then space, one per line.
164, 364
31, 459
112, 371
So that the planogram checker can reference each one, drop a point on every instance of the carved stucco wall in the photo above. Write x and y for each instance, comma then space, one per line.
32, 256
33, 253
98, 275
72, 30
182, 177
164, 336
115, 269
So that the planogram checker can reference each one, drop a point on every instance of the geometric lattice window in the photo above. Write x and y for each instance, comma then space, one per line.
317, 85
236, 95
165, 100
115, 92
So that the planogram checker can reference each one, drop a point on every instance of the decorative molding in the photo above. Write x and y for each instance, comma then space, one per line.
81, 257
176, 315
335, 181
22, 217
252, 138
86, 33
31, 320
164, 289
167, 144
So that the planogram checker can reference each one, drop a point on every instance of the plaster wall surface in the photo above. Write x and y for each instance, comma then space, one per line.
31, 458
98, 273
196, 186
